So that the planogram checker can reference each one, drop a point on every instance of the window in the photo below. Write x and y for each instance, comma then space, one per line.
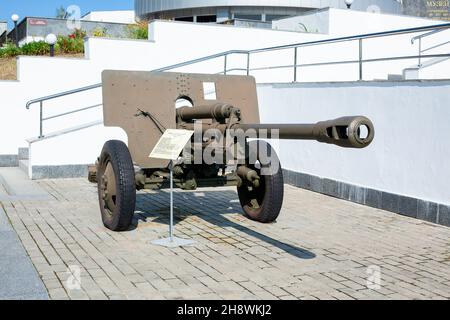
187, 19
206, 19
255, 17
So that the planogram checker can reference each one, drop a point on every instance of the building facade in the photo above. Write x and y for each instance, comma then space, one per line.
431, 9
3, 27
256, 10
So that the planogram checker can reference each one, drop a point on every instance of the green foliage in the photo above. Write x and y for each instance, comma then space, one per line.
38, 48
138, 31
73, 43
78, 34
9, 50
61, 13
70, 45
100, 32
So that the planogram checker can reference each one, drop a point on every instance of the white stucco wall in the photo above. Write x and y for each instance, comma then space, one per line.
318, 22
411, 151
80, 147
340, 22
3, 27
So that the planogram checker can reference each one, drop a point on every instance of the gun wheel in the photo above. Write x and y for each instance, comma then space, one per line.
116, 186
263, 204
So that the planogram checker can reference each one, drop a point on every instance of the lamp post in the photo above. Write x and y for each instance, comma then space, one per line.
349, 3
15, 18
51, 40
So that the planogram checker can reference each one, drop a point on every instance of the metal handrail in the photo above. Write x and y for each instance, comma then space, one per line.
357, 37
436, 46
248, 69
316, 64
195, 61
420, 36
72, 112
62, 94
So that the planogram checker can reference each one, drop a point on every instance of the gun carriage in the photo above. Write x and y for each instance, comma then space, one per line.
225, 150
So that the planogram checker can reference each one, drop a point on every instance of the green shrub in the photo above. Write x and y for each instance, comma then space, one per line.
70, 45
138, 31
10, 50
78, 34
74, 43
99, 32
38, 48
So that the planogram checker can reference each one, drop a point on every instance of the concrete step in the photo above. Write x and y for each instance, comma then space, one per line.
23, 165
12, 160
18, 186
411, 73
395, 77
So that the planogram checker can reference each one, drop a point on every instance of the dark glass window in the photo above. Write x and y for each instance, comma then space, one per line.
206, 19
187, 19
255, 17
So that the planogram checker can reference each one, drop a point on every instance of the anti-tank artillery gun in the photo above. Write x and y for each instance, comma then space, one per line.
225, 149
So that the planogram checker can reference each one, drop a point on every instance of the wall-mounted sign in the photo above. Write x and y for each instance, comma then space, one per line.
438, 9
38, 22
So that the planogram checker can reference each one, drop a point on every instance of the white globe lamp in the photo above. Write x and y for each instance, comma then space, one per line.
51, 40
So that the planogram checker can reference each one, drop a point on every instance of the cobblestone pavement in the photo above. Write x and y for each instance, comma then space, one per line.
320, 248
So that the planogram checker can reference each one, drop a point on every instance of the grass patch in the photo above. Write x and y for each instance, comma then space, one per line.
8, 69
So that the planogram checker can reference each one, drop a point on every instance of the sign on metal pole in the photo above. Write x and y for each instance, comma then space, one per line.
169, 147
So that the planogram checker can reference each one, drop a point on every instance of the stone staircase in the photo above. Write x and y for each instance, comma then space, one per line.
14, 181
19, 160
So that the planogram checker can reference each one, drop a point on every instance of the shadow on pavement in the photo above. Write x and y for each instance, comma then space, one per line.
211, 206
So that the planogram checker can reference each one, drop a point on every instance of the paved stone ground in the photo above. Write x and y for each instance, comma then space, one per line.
320, 248
18, 278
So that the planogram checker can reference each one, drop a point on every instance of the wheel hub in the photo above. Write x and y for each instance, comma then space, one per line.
108, 188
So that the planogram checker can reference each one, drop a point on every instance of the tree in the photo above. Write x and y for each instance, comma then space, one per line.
61, 13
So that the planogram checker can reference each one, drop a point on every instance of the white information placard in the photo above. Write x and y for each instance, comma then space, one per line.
171, 144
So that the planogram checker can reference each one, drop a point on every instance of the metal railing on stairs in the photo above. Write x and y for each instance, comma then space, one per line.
420, 47
295, 66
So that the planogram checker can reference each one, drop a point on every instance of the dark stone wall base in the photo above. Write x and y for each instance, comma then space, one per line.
406, 206
59, 172
7, 160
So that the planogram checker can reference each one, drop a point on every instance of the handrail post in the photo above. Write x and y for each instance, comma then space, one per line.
225, 68
295, 63
40, 119
420, 53
360, 60
248, 63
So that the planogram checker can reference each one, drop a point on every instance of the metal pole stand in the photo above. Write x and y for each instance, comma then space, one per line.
172, 242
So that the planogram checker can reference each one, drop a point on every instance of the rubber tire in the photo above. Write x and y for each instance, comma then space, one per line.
118, 154
272, 200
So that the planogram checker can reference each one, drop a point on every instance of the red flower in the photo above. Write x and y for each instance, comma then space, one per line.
72, 36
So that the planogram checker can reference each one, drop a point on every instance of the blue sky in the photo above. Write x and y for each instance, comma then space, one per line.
47, 8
